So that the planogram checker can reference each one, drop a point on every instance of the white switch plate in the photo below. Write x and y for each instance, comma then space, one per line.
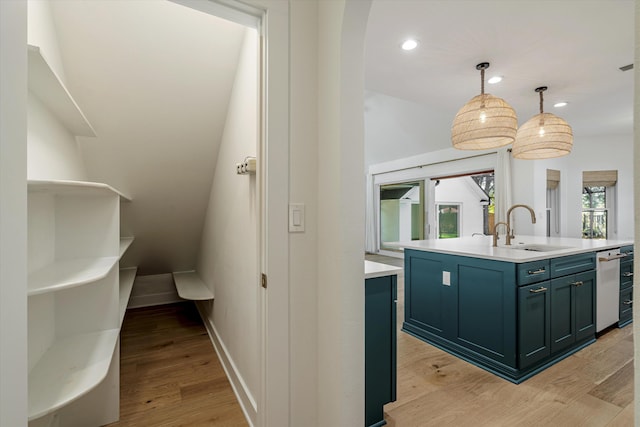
296, 217
446, 278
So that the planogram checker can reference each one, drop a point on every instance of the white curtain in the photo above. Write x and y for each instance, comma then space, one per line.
370, 217
503, 185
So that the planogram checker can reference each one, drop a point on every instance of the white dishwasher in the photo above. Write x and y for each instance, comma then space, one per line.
607, 288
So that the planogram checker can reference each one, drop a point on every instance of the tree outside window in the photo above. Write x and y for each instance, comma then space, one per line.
594, 213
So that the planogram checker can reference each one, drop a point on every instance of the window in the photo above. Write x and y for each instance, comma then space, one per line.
598, 204
401, 213
448, 221
594, 213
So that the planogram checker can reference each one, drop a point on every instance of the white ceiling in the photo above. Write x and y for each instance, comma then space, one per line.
575, 47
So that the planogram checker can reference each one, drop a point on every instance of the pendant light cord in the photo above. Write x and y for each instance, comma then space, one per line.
541, 101
482, 81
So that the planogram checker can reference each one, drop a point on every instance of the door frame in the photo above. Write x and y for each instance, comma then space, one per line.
271, 19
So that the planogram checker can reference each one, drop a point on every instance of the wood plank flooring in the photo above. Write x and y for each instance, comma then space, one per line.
170, 374
593, 387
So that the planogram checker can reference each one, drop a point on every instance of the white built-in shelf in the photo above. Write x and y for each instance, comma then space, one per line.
48, 87
125, 242
70, 368
69, 273
74, 188
127, 277
190, 286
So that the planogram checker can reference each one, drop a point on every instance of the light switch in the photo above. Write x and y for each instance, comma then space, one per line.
296, 217
446, 278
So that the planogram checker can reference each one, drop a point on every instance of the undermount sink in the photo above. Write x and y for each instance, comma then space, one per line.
539, 247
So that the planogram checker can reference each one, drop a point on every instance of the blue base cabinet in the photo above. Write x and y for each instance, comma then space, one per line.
626, 287
513, 320
380, 347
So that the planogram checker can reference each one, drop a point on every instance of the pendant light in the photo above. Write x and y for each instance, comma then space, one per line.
484, 122
544, 136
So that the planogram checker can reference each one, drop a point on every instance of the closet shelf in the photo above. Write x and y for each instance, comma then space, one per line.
48, 87
69, 273
74, 188
70, 368
125, 242
127, 277
190, 286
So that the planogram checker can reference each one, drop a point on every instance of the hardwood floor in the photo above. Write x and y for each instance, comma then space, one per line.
170, 374
593, 387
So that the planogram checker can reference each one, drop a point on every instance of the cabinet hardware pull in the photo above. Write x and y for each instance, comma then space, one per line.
577, 283
627, 274
535, 291
628, 302
612, 257
538, 271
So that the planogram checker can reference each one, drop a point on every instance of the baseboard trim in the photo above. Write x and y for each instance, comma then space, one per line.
245, 399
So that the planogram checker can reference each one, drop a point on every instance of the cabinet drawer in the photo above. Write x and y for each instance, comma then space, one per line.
627, 250
626, 304
572, 264
532, 272
626, 275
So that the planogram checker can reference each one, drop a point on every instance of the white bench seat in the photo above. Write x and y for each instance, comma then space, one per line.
190, 286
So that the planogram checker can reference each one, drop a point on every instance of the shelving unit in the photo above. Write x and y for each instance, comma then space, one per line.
70, 369
47, 86
69, 273
125, 242
127, 277
77, 294
77, 298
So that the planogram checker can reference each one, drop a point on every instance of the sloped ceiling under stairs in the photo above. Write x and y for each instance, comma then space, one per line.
154, 78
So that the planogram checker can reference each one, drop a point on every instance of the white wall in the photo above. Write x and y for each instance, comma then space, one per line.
612, 152
41, 32
303, 188
396, 128
636, 193
228, 256
340, 216
13, 213
52, 151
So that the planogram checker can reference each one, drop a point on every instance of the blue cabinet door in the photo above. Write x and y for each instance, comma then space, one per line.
486, 307
380, 347
584, 289
427, 299
573, 309
563, 327
534, 315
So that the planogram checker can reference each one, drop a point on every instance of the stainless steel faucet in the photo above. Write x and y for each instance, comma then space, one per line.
509, 230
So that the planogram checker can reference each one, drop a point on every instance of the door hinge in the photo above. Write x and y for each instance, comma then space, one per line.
264, 280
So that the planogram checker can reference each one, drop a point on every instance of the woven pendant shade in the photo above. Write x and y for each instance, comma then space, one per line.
544, 136
484, 122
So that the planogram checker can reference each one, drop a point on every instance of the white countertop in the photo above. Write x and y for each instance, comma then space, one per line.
481, 247
376, 269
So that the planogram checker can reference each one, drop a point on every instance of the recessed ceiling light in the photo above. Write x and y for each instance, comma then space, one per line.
409, 44
495, 79
560, 104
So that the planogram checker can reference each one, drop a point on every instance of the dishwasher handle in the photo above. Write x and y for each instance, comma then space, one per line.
612, 257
